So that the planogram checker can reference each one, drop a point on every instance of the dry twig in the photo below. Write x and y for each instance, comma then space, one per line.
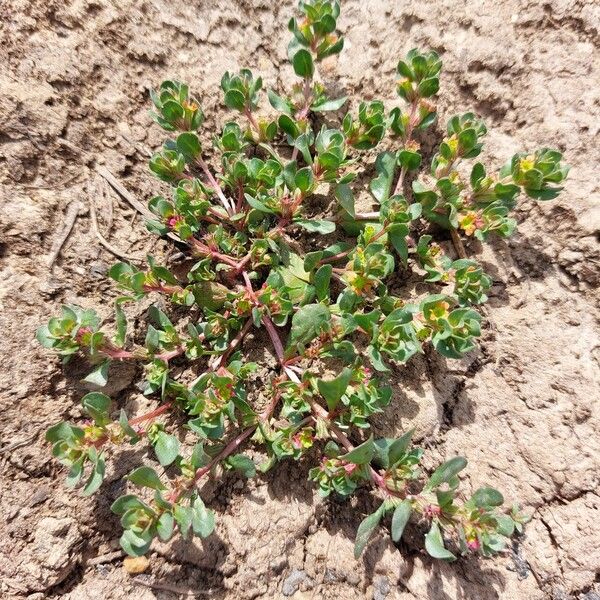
70, 218
128, 196
458, 245
118, 253
124, 193
104, 558
167, 587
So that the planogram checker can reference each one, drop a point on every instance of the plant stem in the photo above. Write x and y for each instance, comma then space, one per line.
266, 320
234, 344
248, 114
272, 331
407, 138
155, 413
303, 112
341, 437
368, 216
335, 257
214, 183
231, 447
307, 94
163, 289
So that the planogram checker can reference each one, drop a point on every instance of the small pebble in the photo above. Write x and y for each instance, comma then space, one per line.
134, 565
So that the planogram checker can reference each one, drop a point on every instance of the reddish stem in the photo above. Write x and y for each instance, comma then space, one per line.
166, 356
155, 413
231, 447
335, 257
234, 343
272, 331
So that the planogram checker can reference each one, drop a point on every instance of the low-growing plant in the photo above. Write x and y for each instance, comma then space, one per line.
262, 256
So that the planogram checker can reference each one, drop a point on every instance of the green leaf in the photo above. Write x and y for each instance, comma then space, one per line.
199, 456
409, 160
316, 225
304, 179
127, 428
279, 103
302, 142
235, 100
97, 406
133, 544
189, 145
75, 473
322, 281
381, 186
467, 139
258, 205
477, 174
183, 516
487, 496
159, 317
203, 520
43, 336
294, 277
146, 477
308, 322
444, 473
303, 63
99, 376
345, 197
126, 503
311, 259
397, 233
63, 431
333, 49
505, 525
333, 390
288, 125
96, 477
326, 105
172, 110
429, 87
242, 464
399, 447
434, 544
166, 447
365, 530
376, 359
400, 519
165, 526
361, 455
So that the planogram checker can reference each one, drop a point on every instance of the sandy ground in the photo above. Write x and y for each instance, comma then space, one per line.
524, 409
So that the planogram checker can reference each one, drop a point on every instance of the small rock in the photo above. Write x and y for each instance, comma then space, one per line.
381, 588
51, 557
98, 269
292, 582
134, 565
38, 497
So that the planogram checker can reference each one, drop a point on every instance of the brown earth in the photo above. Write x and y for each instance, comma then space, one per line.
523, 409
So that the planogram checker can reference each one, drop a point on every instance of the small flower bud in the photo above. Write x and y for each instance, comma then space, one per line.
473, 544
350, 468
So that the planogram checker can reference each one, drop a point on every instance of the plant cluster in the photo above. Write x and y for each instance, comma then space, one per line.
261, 257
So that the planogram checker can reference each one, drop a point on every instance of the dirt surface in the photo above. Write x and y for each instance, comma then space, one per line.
523, 409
